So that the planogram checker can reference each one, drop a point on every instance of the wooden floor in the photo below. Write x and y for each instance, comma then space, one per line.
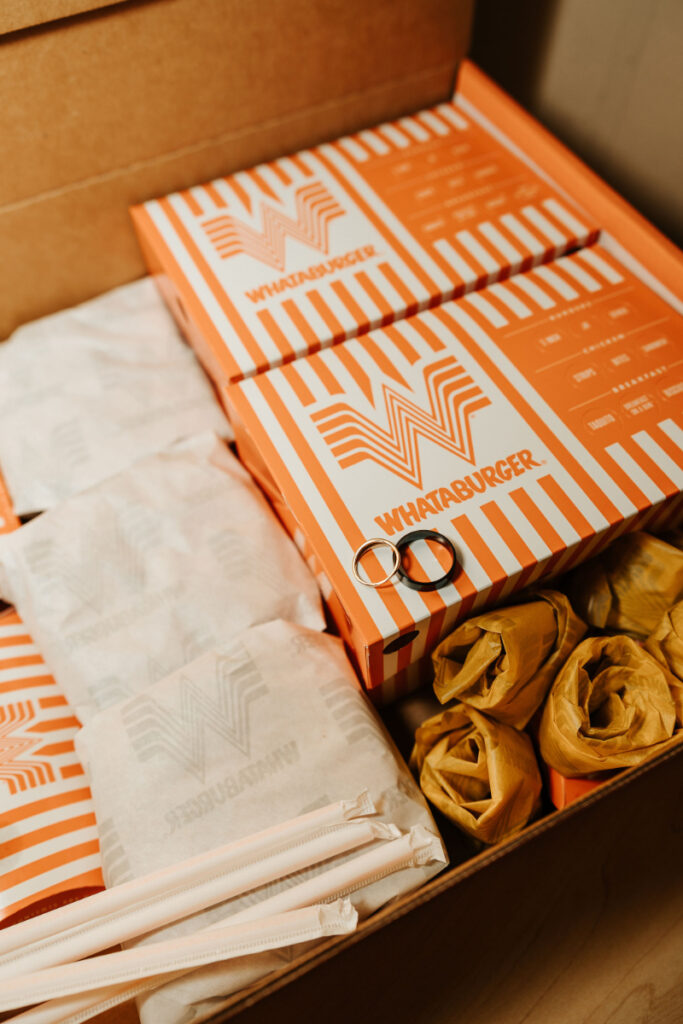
582, 926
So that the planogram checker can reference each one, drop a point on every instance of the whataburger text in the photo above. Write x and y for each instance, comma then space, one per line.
438, 500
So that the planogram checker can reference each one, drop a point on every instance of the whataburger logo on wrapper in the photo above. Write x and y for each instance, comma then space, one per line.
292, 256
478, 419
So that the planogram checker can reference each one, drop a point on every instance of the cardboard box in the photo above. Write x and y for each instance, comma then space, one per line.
104, 104
530, 423
525, 931
296, 255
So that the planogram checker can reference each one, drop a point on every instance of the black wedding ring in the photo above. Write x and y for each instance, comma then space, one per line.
437, 538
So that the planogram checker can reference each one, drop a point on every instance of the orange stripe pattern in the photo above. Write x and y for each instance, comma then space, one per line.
48, 834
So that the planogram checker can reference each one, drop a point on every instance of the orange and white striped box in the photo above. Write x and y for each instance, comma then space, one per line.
530, 423
8, 520
292, 256
49, 850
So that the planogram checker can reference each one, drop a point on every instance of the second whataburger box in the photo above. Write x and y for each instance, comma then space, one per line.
529, 423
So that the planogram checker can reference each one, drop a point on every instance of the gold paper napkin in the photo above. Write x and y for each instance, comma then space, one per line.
630, 586
504, 661
480, 774
611, 706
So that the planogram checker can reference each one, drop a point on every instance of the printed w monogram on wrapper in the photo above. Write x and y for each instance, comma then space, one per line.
178, 729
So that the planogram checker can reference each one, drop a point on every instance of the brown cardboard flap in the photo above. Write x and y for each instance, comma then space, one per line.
140, 99
19, 14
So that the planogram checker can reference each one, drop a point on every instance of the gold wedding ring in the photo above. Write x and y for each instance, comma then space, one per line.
369, 545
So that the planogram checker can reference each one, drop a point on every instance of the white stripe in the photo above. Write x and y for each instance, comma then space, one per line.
476, 249
288, 328
600, 265
672, 431
225, 192
41, 819
448, 111
660, 457
197, 283
378, 613
516, 228
311, 315
493, 235
615, 249
291, 169
578, 230
505, 294
579, 274
374, 141
527, 531
397, 228
396, 301
57, 876
199, 196
243, 179
506, 141
435, 123
493, 540
414, 338
312, 382
488, 311
540, 297
56, 844
18, 651
543, 225
634, 472
12, 675
454, 260
342, 314
556, 282
371, 310
271, 178
413, 128
552, 421
352, 149
13, 629
395, 137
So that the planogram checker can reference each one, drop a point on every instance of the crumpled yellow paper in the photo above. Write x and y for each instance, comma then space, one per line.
630, 585
611, 706
504, 661
666, 645
480, 774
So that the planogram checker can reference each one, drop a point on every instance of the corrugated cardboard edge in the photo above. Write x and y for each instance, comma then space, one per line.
443, 882
16, 15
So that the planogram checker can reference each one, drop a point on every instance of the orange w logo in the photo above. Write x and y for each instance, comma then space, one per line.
315, 208
453, 398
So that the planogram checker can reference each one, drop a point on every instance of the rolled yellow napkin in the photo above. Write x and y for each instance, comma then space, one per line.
482, 775
611, 706
630, 585
504, 661
666, 645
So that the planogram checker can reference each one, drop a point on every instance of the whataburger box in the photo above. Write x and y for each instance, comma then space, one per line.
289, 257
531, 423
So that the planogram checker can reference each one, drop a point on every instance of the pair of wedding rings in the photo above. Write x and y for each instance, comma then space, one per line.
397, 569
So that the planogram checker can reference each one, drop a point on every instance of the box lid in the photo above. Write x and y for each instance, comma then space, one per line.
295, 255
530, 423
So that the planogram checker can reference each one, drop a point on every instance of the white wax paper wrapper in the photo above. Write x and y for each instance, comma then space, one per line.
126, 582
87, 391
252, 733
